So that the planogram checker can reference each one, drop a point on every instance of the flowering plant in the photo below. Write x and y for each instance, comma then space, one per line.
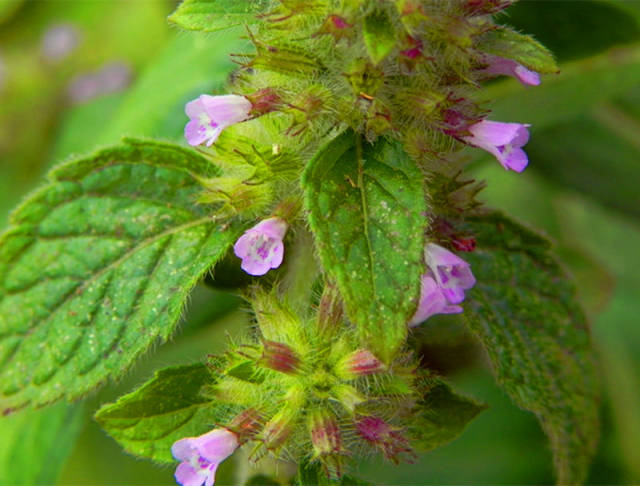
332, 173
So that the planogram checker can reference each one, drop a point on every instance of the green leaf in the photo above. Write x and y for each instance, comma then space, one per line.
261, 480
599, 25
506, 43
367, 209
313, 475
167, 408
379, 35
605, 168
440, 414
97, 265
213, 15
524, 312
36, 443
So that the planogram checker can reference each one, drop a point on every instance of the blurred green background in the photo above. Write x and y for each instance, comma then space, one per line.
77, 74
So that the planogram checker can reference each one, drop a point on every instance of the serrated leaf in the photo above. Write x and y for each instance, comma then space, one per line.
524, 49
440, 415
379, 35
169, 407
213, 15
524, 312
96, 267
367, 209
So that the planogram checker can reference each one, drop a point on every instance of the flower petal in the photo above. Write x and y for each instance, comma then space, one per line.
526, 76
193, 133
187, 475
516, 160
183, 450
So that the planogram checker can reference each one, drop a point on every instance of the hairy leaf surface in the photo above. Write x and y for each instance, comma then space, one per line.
440, 414
367, 210
379, 35
212, 15
524, 312
169, 407
506, 43
96, 267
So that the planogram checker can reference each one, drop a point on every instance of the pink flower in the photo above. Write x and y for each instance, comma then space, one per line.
261, 247
443, 286
200, 456
211, 114
432, 301
452, 274
507, 67
502, 140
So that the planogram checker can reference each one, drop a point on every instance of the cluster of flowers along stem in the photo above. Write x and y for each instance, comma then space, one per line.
418, 91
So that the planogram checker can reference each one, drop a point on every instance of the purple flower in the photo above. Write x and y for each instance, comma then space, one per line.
443, 286
201, 455
261, 247
507, 67
211, 114
452, 274
432, 301
502, 140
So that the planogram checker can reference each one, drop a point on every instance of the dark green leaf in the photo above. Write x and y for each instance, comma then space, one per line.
440, 414
379, 35
261, 480
313, 475
167, 408
524, 312
599, 25
596, 155
212, 15
97, 265
36, 443
506, 43
367, 211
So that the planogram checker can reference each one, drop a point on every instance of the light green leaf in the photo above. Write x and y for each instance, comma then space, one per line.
524, 49
367, 209
167, 408
96, 267
440, 414
523, 311
379, 35
212, 15
36, 443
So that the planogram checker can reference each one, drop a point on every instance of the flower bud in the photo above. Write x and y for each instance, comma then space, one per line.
388, 439
359, 363
336, 26
279, 357
327, 442
278, 429
246, 425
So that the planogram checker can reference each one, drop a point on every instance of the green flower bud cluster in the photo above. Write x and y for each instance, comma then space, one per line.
311, 390
402, 68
